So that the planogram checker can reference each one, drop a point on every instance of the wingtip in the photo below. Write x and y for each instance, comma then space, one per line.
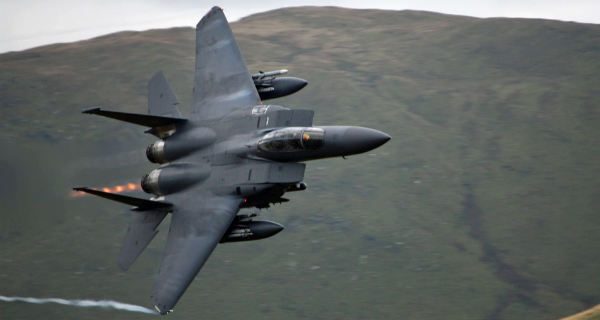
163, 311
91, 110
79, 188
123, 265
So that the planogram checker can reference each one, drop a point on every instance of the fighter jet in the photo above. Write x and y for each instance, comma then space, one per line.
231, 152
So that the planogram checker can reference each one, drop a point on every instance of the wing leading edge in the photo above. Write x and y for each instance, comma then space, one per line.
197, 224
222, 82
140, 204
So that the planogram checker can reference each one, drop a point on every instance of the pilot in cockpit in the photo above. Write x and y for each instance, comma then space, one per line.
292, 139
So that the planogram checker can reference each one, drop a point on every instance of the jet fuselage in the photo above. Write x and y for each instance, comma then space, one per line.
263, 160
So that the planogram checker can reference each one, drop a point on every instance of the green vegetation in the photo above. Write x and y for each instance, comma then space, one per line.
484, 205
589, 314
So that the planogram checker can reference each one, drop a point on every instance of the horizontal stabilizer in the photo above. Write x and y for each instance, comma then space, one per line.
142, 229
141, 204
136, 118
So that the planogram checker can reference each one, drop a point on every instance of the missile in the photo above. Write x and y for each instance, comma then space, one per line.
269, 74
270, 87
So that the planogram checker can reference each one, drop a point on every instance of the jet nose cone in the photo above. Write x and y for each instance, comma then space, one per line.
365, 139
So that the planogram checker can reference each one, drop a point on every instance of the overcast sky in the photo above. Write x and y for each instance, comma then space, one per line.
30, 23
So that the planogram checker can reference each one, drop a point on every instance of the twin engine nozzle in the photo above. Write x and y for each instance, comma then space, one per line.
179, 145
156, 152
174, 178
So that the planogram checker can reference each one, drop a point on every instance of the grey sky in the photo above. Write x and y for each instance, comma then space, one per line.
30, 23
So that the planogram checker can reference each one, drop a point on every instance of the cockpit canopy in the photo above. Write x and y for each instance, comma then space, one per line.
292, 139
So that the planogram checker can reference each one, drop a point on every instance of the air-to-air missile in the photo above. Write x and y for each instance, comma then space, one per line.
269, 86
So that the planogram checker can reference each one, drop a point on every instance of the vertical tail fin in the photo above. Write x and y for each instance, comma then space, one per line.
161, 98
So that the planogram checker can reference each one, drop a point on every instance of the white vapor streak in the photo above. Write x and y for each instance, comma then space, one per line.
107, 304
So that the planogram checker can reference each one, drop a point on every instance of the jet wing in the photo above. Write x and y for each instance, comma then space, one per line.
222, 83
197, 225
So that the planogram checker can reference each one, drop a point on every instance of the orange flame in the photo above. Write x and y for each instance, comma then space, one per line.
116, 189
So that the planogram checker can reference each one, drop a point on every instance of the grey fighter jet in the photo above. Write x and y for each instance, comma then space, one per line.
231, 152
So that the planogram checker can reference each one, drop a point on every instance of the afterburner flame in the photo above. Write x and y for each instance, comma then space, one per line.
116, 189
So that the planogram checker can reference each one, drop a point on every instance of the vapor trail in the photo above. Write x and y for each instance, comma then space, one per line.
107, 304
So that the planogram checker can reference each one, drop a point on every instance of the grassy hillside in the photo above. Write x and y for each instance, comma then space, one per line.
590, 314
484, 205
